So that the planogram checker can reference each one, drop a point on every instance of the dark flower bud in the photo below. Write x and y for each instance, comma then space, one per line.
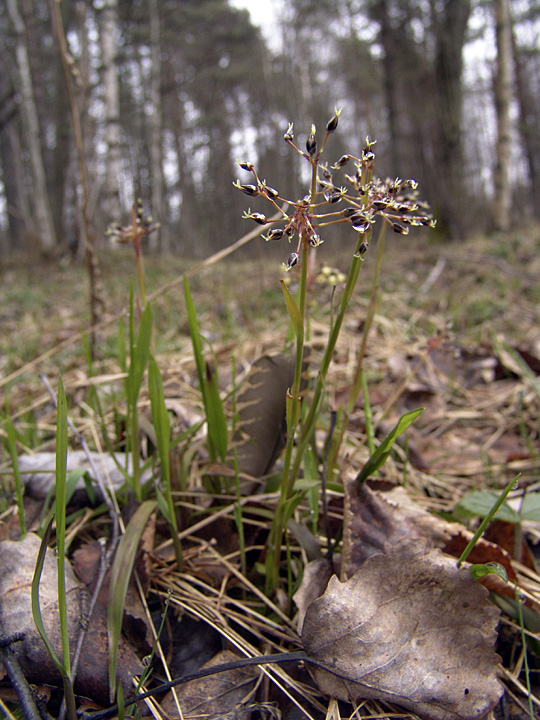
381, 203
361, 250
275, 234
247, 189
326, 172
348, 212
259, 218
326, 184
311, 143
271, 192
332, 124
315, 240
333, 196
400, 229
404, 208
289, 135
361, 226
368, 156
246, 165
292, 261
343, 160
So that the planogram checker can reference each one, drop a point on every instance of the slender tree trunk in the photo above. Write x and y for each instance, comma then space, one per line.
15, 195
391, 79
503, 96
528, 125
156, 139
109, 51
450, 25
42, 210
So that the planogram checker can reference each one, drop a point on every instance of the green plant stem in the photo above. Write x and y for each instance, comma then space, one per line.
309, 423
525, 657
485, 522
61, 465
19, 492
368, 414
369, 320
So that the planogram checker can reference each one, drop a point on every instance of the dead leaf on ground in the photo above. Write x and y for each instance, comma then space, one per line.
260, 405
37, 471
408, 628
17, 563
216, 695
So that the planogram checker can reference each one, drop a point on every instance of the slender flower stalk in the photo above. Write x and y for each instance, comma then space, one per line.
366, 199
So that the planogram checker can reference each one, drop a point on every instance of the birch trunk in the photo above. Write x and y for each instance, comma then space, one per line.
41, 206
109, 52
503, 95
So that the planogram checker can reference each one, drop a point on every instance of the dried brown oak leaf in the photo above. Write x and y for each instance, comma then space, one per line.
408, 628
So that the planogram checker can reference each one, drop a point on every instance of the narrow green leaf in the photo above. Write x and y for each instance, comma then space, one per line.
195, 336
60, 504
160, 416
139, 352
293, 310
381, 454
120, 574
215, 414
19, 492
208, 383
485, 522
36, 607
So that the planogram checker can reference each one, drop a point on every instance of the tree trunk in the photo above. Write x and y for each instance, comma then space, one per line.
391, 80
109, 51
450, 25
156, 140
42, 211
503, 96
528, 124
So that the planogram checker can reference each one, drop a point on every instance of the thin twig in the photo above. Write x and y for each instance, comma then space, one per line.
18, 681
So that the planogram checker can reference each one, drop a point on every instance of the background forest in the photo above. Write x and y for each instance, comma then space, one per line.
157, 98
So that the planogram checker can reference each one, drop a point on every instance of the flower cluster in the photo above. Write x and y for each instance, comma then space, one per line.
366, 198
140, 226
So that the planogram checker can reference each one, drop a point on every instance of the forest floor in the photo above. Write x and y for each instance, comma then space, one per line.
457, 332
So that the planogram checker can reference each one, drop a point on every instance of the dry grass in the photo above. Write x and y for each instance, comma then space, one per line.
446, 317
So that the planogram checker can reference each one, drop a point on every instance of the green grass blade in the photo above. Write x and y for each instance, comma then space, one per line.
36, 607
11, 442
293, 310
208, 383
215, 414
60, 504
380, 455
485, 522
139, 352
162, 427
120, 575
195, 337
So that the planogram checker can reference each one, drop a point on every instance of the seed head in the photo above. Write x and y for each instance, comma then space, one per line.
400, 229
292, 261
275, 234
311, 142
343, 160
247, 189
332, 124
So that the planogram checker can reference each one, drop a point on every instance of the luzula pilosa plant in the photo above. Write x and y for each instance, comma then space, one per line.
358, 204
